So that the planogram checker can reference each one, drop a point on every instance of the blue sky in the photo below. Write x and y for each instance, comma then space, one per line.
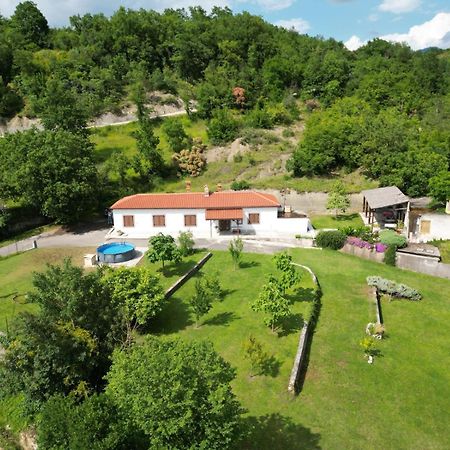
421, 23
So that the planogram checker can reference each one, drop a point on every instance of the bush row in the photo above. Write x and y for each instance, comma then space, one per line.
394, 289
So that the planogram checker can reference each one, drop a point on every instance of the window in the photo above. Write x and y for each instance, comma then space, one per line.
128, 221
425, 226
190, 220
159, 221
253, 218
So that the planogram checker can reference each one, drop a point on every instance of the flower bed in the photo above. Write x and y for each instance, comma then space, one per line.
361, 243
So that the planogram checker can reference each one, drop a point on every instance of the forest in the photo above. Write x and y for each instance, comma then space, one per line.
383, 109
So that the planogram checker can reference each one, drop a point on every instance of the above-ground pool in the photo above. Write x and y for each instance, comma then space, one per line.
115, 252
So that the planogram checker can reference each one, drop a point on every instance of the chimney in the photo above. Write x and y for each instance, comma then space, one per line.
206, 191
219, 187
188, 185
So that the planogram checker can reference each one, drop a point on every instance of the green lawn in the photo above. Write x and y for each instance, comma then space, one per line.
444, 249
16, 273
342, 220
400, 402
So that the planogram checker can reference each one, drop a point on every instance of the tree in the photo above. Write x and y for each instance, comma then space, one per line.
94, 423
60, 108
177, 393
186, 243
253, 351
439, 187
53, 171
65, 347
289, 275
338, 199
137, 292
201, 301
273, 303
176, 135
235, 248
163, 248
30, 23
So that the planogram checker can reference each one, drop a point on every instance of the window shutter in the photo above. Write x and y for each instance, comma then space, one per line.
128, 221
190, 220
253, 218
159, 221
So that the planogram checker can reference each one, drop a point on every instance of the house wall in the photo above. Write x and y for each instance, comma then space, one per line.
269, 223
439, 227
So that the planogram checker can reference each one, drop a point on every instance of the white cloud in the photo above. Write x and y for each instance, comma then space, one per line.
354, 43
298, 24
434, 33
399, 6
58, 12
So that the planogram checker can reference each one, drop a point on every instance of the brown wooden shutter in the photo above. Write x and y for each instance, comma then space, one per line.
159, 221
425, 226
253, 218
190, 220
128, 221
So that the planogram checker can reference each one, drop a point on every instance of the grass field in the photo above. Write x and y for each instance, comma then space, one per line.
331, 221
400, 402
444, 249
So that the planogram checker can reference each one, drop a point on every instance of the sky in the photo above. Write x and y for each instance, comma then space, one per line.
420, 23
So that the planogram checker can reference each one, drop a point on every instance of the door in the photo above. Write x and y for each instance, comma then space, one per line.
425, 226
224, 225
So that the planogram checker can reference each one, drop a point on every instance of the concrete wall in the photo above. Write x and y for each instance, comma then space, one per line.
269, 224
423, 264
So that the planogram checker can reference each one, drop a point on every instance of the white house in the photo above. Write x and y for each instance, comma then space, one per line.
206, 215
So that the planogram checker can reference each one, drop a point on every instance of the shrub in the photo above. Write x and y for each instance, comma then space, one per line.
240, 185
237, 158
390, 254
389, 237
223, 127
191, 162
259, 118
331, 239
393, 289
280, 114
186, 243
287, 133
360, 232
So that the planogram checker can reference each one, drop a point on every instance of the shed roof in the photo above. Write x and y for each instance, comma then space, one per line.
385, 196
198, 200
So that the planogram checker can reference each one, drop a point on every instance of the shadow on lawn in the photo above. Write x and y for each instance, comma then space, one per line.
248, 264
178, 269
291, 324
345, 217
271, 367
173, 318
221, 319
276, 432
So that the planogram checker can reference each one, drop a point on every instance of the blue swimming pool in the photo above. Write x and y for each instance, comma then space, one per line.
115, 252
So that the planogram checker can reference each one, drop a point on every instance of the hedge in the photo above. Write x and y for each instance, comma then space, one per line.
331, 239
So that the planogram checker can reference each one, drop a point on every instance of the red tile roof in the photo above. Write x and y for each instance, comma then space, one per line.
197, 200
224, 214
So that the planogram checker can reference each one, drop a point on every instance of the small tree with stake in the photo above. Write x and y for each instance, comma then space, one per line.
163, 248
253, 351
200, 301
338, 199
272, 301
235, 248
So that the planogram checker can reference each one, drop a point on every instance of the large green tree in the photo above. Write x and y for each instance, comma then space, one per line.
177, 393
52, 171
66, 346
30, 23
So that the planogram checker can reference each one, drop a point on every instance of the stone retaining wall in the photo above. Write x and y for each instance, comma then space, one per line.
307, 331
187, 276
365, 253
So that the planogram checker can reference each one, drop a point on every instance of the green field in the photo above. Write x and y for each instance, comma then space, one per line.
399, 402
339, 221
